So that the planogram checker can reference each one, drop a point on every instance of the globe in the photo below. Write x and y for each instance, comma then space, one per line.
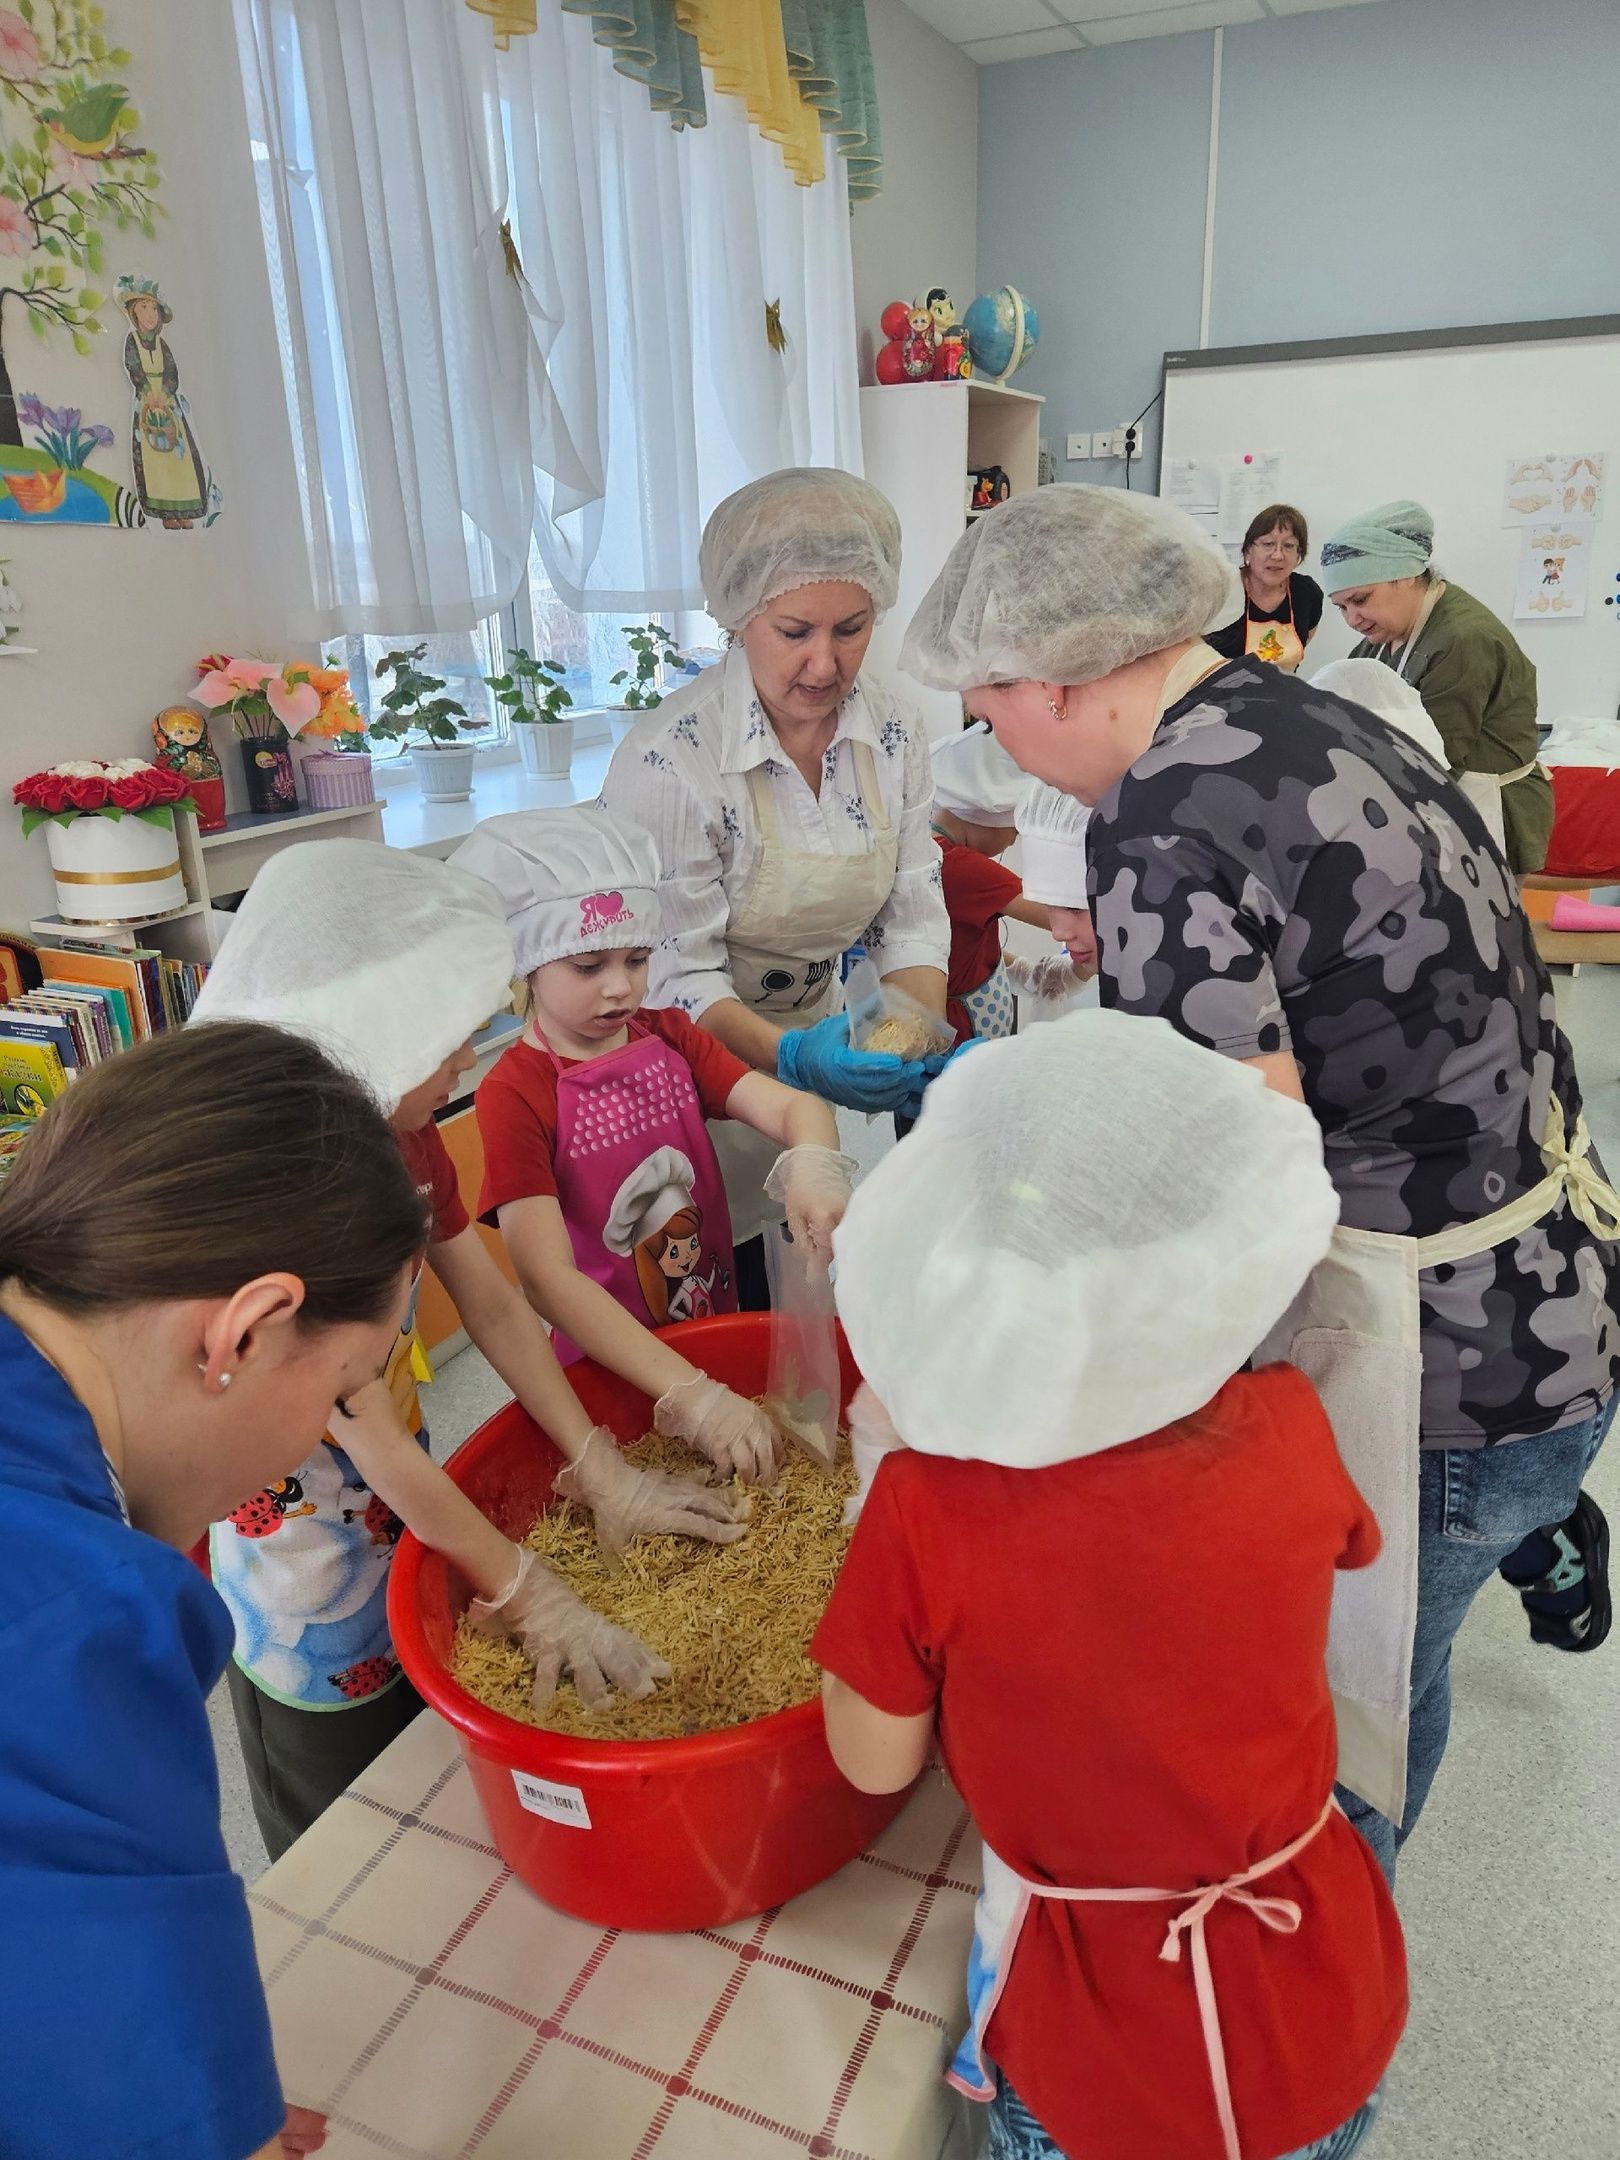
1002, 331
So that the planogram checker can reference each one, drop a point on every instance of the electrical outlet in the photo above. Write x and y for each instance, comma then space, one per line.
1079, 446
1109, 444
1130, 440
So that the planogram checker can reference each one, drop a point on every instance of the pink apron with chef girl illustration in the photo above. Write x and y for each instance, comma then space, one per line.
639, 1186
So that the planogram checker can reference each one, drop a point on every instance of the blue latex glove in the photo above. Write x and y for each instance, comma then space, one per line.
822, 1061
931, 1068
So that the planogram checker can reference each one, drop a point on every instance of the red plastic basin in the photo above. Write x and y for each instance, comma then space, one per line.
682, 1833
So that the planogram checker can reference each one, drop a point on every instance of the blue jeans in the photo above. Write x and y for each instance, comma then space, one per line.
1475, 1505
1016, 2135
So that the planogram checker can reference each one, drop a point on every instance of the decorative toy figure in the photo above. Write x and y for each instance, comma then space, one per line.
917, 351
951, 361
183, 745
889, 365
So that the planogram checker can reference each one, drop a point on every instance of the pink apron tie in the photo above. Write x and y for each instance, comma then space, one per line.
1281, 1915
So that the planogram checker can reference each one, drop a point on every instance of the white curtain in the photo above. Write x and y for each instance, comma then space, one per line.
654, 254
442, 409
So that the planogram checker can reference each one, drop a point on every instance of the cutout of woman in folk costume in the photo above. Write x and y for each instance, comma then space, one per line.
169, 475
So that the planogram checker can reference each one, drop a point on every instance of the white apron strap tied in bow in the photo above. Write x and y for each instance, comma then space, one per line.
1280, 1915
1571, 1173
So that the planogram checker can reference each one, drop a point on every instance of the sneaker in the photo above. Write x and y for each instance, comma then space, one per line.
1583, 1545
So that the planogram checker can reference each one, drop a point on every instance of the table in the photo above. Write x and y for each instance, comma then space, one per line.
434, 2007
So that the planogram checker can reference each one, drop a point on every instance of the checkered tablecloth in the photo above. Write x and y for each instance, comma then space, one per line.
434, 2007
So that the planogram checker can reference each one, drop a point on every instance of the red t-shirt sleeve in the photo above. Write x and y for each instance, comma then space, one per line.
432, 1167
875, 1634
517, 1122
978, 890
715, 1069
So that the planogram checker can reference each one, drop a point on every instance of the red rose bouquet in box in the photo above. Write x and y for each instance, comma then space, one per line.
93, 787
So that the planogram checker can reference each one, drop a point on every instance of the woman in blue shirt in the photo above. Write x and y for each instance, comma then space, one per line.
206, 1244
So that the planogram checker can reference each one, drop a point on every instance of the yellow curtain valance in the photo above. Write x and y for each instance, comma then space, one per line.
803, 68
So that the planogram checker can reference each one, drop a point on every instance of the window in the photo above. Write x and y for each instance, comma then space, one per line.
592, 647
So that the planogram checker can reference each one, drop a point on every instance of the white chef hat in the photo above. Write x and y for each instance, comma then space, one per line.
649, 1197
975, 779
571, 881
387, 960
1052, 845
1378, 689
1090, 1231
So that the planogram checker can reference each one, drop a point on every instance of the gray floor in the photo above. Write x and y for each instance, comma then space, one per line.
1511, 1889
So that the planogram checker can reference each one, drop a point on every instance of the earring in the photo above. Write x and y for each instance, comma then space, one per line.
224, 1378
1058, 712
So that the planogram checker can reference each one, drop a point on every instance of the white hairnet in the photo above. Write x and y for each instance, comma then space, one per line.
387, 960
571, 881
1065, 584
975, 779
809, 525
1052, 845
1378, 689
1088, 1233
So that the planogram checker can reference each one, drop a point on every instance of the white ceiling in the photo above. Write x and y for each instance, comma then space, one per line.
989, 30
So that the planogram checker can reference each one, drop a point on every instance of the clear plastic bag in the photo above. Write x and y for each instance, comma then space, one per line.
884, 1019
802, 1384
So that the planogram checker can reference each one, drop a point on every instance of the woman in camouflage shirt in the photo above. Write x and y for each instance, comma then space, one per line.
1291, 882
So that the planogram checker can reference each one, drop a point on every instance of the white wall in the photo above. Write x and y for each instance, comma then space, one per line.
120, 618
921, 230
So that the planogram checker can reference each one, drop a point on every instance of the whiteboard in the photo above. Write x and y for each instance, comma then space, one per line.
1372, 420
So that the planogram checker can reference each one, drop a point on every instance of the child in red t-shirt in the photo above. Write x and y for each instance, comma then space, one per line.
976, 793
391, 962
1183, 1951
598, 1166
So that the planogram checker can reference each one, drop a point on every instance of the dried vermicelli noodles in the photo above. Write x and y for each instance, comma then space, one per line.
733, 1620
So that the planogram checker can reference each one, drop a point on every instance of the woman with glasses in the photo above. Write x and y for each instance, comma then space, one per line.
1282, 606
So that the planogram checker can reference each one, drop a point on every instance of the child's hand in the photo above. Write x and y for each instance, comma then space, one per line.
628, 1501
561, 1633
303, 2132
735, 1434
814, 1184
1053, 978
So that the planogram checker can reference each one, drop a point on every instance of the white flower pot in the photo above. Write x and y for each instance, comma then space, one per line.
546, 747
444, 770
113, 869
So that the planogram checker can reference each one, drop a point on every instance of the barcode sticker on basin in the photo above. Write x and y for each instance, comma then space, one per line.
558, 1803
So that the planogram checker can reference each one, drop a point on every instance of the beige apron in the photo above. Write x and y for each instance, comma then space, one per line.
783, 943
1483, 789
1354, 1333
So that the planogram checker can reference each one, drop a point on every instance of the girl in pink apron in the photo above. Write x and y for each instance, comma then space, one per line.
1182, 1951
598, 1165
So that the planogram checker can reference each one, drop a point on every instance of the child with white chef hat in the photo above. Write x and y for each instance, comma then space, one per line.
599, 1168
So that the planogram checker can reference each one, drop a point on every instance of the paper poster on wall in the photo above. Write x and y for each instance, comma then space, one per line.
1195, 487
1553, 565
1566, 484
73, 169
175, 487
1250, 479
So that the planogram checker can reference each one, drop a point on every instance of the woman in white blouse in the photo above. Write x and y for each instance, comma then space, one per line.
790, 799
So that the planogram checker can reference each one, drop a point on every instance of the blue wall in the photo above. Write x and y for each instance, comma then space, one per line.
1404, 166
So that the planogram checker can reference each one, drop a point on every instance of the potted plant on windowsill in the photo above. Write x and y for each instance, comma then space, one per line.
418, 711
537, 705
654, 658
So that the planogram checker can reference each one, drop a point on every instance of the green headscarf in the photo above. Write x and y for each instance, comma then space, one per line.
1394, 541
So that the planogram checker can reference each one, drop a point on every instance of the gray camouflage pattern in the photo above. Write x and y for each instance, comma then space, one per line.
1281, 870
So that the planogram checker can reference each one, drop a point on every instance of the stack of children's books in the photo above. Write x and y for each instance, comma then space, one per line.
65, 1007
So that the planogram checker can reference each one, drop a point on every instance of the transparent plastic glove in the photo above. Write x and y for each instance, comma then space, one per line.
629, 1501
822, 1061
562, 1634
814, 1184
871, 1437
733, 1432
1050, 979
